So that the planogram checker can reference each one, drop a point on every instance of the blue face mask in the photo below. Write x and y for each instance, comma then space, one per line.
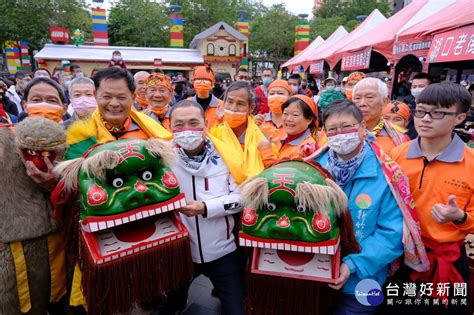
266, 81
330, 87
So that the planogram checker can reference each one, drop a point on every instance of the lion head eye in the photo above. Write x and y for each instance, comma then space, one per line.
271, 207
301, 208
147, 175
117, 182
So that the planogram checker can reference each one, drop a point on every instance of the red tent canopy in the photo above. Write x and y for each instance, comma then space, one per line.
339, 34
381, 38
373, 20
458, 14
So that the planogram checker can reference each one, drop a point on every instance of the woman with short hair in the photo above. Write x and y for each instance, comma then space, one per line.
353, 161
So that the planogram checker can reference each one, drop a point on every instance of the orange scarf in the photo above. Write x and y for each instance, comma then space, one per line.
141, 101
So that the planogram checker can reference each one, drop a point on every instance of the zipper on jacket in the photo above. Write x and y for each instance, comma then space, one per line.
425, 164
197, 222
228, 226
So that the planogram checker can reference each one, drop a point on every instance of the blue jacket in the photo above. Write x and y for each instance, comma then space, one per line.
378, 222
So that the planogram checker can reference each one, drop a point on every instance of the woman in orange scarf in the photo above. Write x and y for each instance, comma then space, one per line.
158, 93
299, 122
271, 124
397, 113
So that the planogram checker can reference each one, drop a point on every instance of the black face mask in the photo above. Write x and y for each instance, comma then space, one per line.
303, 86
178, 89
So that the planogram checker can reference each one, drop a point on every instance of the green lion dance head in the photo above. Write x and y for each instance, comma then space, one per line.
119, 178
294, 201
116, 206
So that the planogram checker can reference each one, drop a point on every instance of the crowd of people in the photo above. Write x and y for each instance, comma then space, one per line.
225, 133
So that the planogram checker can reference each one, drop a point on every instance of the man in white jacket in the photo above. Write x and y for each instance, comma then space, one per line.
212, 199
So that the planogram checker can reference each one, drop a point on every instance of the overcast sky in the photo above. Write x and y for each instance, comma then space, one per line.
295, 6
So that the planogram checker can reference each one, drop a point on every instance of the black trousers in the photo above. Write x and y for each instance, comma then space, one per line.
227, 277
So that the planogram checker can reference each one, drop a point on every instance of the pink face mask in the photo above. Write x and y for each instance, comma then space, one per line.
84, 105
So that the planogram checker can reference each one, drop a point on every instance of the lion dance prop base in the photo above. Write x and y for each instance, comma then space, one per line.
297, 223
124, 235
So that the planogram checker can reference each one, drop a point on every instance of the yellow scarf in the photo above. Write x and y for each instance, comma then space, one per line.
242, 163
146, 124
81, 135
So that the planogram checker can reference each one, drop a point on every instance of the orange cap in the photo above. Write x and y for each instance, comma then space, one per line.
308, 101
158, 79
398, 108
356, 76
203, 72
280, 83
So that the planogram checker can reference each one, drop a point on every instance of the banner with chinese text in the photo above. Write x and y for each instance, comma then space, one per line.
455, 45
356, 60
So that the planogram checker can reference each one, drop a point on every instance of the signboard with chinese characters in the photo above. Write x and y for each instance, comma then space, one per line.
455, 45
356, 60
412, 47
316, 67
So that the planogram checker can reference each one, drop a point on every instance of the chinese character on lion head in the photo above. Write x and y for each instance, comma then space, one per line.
297, 222
127, 239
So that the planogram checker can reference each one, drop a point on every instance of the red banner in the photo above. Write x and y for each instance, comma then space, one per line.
455, 45
357, 60
316, 67
59, 34
411, 47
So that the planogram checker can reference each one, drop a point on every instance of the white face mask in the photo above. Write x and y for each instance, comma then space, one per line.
189, 139
294, 89
416, 92
344, 143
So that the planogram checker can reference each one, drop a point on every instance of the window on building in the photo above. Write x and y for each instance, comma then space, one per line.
210, 49
232, 50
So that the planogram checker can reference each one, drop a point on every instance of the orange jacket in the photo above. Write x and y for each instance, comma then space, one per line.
214, 112
295, 149
385, 141
272, 132
165, 122
451, 173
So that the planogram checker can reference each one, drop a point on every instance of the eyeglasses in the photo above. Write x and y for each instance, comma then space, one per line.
202, 81
344, 128
434, 114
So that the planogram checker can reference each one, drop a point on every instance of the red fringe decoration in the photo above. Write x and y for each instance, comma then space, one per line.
121, 284
66, 213
269, 295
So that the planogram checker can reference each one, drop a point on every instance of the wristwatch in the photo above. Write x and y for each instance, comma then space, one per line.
462, 220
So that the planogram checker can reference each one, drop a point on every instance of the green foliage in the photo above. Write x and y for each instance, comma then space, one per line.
31, 20
201, 14
335, 12
138, 23
325, 26
272, 35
